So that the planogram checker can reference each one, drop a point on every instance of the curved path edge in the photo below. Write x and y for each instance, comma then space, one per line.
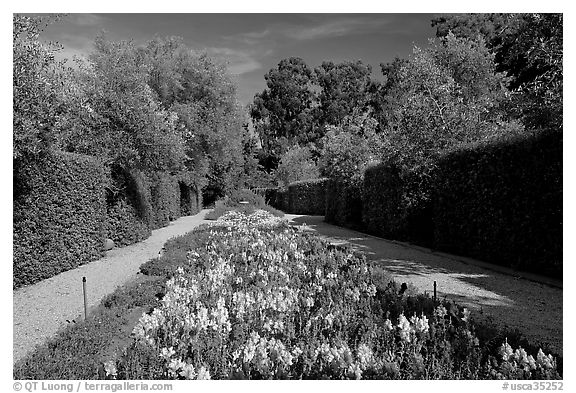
41, 310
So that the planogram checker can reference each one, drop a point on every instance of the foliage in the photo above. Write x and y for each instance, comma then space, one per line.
235, 202
165, 199
129, 207
246, 306
202, 94
35, 84
282, 113
296, 164
502, 202
344, 88
343, 204
113, 113
443, 95
396, 203
59, 215
529, 47
307, 197
349, 148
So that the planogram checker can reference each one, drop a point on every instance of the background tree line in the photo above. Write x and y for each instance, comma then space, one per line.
154, 107
482, 76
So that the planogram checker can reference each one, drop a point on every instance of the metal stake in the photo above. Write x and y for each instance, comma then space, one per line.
434, 291
85, 298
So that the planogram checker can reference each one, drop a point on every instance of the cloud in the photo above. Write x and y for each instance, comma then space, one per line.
336, 28
239, 62
313, 28
86, 19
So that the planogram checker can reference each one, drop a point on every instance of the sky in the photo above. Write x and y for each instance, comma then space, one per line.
252, 44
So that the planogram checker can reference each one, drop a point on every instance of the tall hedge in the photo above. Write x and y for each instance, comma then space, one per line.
165, 194
307, 197
343, 204
59, 216
502, 202
129, 207
397, 203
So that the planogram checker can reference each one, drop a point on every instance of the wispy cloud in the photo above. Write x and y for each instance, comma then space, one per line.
314, 28
86, 19
336, 28
239, 61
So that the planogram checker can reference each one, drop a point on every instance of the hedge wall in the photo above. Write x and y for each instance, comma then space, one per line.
396, 203
59, 216
190, 198
343, 204
502, 202
307, 197
165, 194
280, 201
129, 207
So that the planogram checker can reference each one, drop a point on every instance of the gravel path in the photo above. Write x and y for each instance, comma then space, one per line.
533, 308
40, 310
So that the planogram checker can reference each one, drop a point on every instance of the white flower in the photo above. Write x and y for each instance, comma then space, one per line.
203, 373
388, 324
110, 368
188, 371
405, 328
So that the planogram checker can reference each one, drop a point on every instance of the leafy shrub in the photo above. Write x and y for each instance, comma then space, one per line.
343, 204
129, 207
307, 197
268, 193
296, 164
502, 202
59, 215
281, 200
396, 203
232, 203
165, 195
237, 196
258, 299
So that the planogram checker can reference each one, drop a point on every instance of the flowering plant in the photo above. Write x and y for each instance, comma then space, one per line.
258, 299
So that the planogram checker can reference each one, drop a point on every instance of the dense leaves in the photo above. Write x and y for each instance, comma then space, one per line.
59, 220
529, 47
34, 90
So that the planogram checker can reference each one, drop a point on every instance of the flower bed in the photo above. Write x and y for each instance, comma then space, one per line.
259, 299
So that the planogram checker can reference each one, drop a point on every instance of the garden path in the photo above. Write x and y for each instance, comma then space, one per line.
41, 309
532, 304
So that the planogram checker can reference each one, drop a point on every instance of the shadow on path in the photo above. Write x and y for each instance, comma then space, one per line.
533, 308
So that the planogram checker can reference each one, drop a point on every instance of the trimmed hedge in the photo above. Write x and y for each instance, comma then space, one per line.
502, 202
396, 203
343, 204
165, 195
281, 200
307, 197
129, 208
59, 216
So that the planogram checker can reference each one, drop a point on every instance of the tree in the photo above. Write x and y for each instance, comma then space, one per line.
349, 148
296, 164
344, 88
113, 113
36, 81
282, 113
529, 48
443, 95
202, 94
